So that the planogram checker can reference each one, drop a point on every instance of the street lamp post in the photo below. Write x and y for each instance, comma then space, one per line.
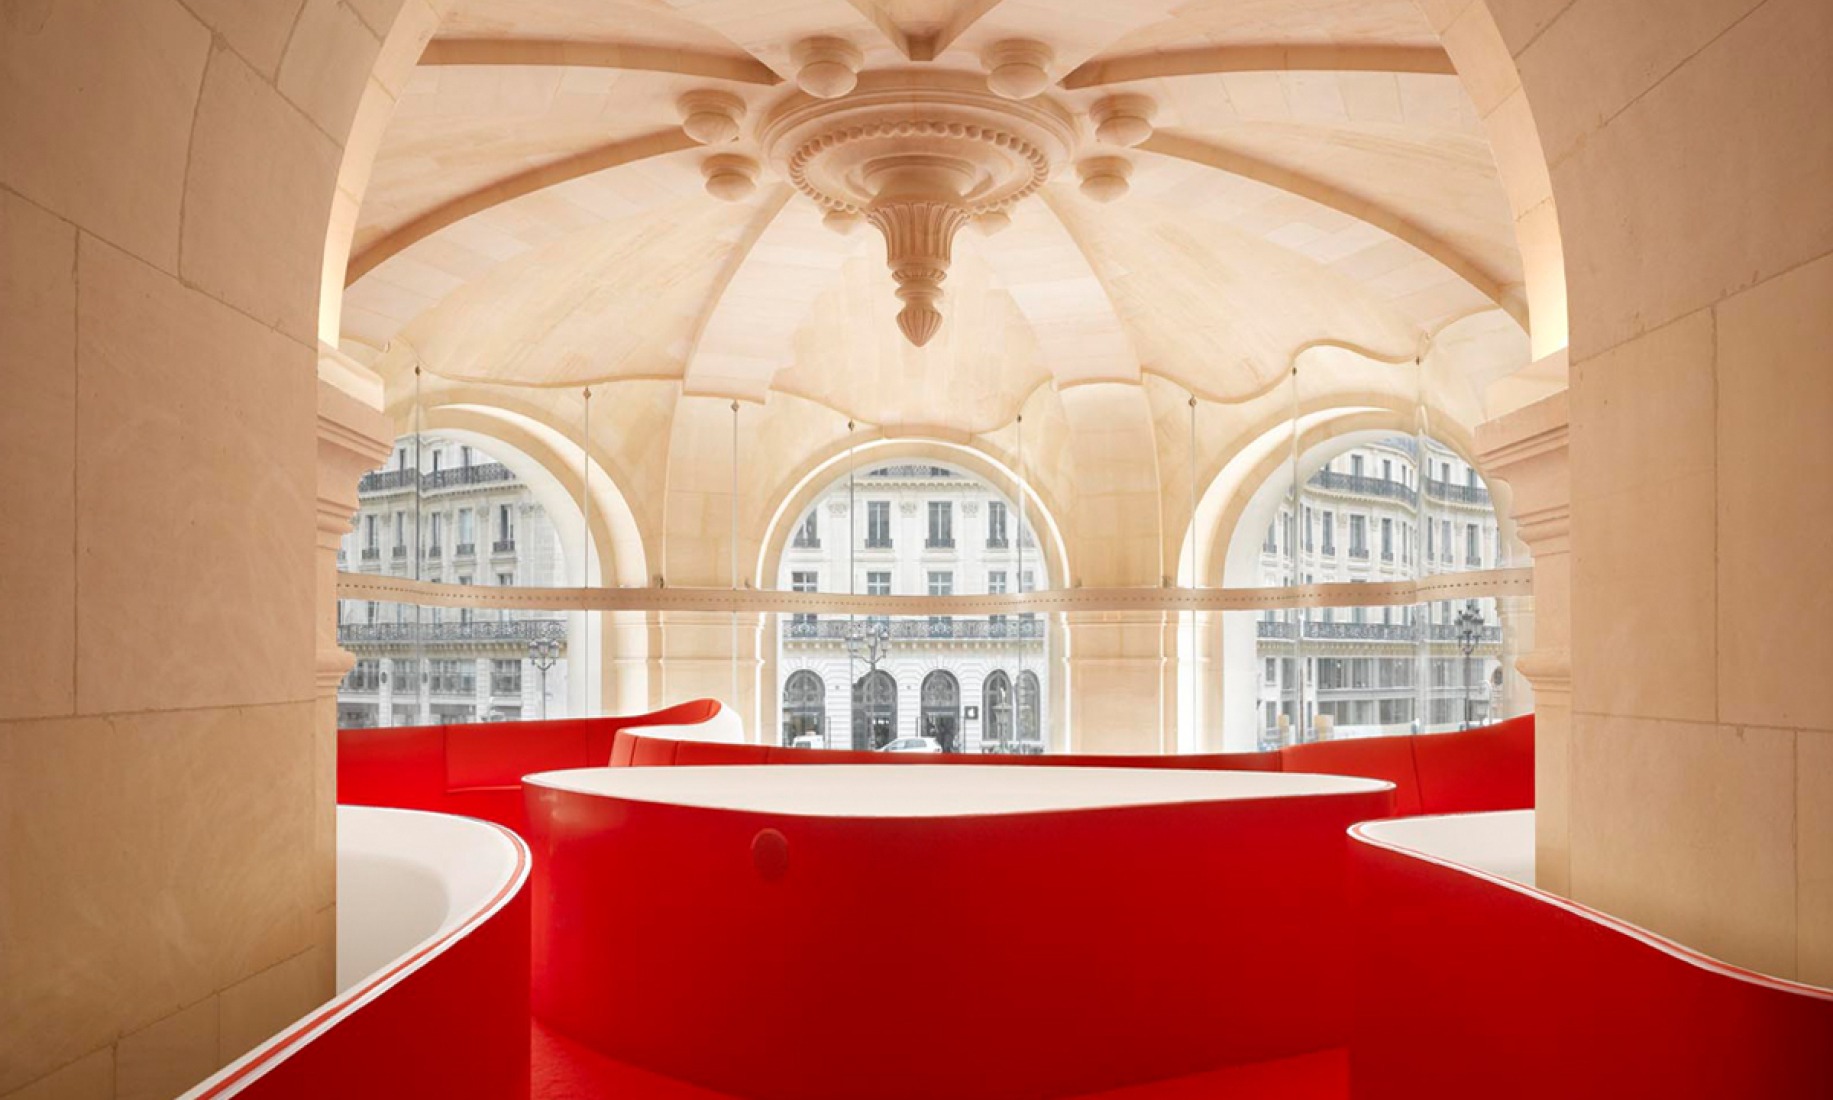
544, 653
1469, 628
869, 641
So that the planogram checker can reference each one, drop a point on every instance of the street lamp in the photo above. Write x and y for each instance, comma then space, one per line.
544, 653
867, 640
1469, 629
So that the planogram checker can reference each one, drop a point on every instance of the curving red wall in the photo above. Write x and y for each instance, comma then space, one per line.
1468, 985
451, 1019
991, 956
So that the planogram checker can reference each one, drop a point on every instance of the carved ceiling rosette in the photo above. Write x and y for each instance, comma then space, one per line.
918, 154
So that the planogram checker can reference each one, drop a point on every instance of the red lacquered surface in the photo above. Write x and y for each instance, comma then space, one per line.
449, 1019
1042, 954
1469, 985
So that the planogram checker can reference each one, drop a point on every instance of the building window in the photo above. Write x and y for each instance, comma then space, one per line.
1473, 546
1030, 711
505, 529
996, 700
807, 537
941, 525
874, 710
1308, 544
941, 583
878, 583
996, 525
803, 580
365, 676
452, 677
1387, 539
878, 524
467, 533
1355, 465
941, 713
1358, 536
505, 677
804, 708
1444, 534
1330, 534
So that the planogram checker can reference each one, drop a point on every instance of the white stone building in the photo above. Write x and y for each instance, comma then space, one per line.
444, 511
1375, 670
975, 684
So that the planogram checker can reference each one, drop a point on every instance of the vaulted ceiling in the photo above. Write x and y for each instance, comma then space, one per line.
1316, 173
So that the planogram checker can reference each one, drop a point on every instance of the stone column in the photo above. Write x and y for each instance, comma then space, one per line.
1528, 449
1117, 669
353, 438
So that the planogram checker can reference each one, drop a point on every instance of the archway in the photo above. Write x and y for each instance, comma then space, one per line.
805, 709
996, 698
874, 710
941, 715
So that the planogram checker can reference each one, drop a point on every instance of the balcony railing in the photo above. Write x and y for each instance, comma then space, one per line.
372, 553
1474, 495
1360, 553
999, 544
519, 630
487, 473
1362, 485
962, 629
388, 481
435, 551
503, 546
877, 544
399, 552
465, 550
1368, 632
938, 544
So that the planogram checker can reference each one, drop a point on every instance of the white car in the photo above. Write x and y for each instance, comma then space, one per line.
913, 744
808, 741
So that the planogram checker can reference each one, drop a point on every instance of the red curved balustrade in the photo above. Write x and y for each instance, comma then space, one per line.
797, 952
1470, 984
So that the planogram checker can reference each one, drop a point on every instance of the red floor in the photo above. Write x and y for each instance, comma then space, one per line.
566, 1070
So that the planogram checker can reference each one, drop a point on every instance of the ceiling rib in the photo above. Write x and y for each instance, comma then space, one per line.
740, 68
1204, 60
1171, 144
643, 146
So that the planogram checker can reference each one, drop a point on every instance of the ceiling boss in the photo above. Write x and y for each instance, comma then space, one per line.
919, 152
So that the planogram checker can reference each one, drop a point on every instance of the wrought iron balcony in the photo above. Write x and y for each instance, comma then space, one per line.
435, 551
942, 629
398, 552
1474, 495
1362, 485
503, 546
465, 550
390, 481
1360, 553
518, 630
877, 544
999, 544
372, 553
938, 544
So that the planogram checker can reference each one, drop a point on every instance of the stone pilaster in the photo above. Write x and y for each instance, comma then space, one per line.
1529, 450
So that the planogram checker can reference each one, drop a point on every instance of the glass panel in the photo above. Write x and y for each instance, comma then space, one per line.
421, 666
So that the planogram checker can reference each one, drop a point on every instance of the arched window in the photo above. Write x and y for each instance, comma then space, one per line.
942, 710
805, 708
1367, 507
996, 696
919, 528
1030, 716
874, 710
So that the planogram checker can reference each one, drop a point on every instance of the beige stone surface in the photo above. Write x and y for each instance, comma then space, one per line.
1814, 856
1644, 611
1775, 403
1651, 193
257, 198
166, 1058
1689, 829
1620, 52
195, 452
91, 1077
328, 61
37, 418
259, 32
262, 1004
89, 87
178, 897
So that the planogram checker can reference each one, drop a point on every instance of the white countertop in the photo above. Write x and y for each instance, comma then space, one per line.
1500, 844
935, 790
